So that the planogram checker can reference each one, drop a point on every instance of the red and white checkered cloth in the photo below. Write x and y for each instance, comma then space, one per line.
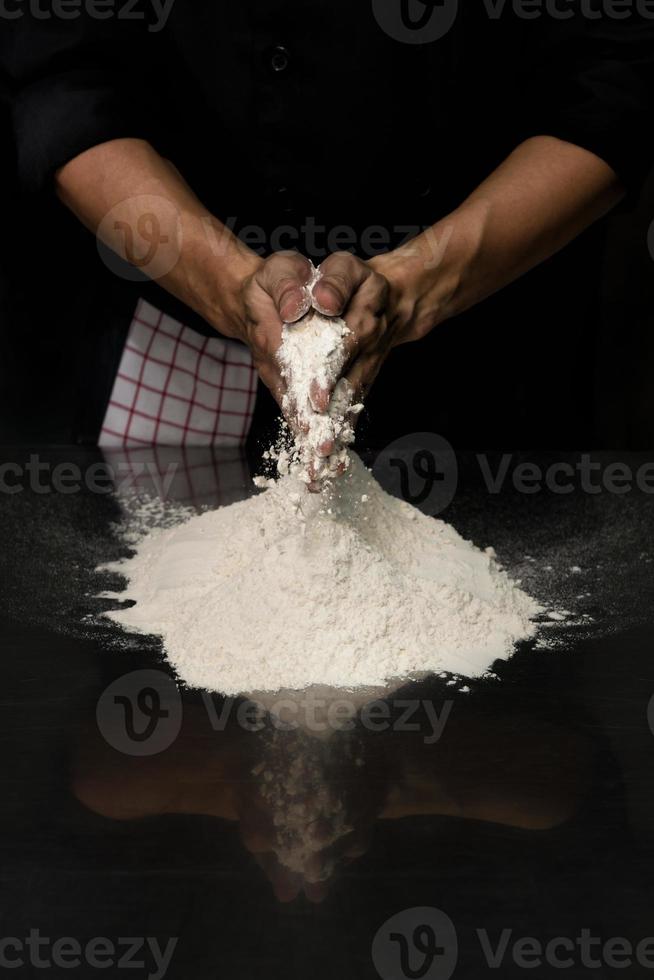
177, 388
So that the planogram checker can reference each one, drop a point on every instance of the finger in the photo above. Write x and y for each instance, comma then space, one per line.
270, 374
319, 397
326, 448
287, 884
350, 847
367, 321
366, 316
256, 829
285, 276
341, 274
316, 470
316, 892
363, 372
314, 485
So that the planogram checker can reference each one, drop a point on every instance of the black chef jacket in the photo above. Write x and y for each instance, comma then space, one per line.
297, 115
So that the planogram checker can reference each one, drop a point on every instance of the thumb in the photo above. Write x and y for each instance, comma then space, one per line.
341, 274
285, 276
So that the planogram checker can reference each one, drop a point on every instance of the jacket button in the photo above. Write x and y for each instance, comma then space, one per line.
285, 198
279, 58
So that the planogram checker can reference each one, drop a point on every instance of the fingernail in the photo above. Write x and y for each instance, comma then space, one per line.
326, 448
319, 398
332, 299
295, 307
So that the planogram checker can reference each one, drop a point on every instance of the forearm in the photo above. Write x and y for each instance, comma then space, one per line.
543, 195
139, 205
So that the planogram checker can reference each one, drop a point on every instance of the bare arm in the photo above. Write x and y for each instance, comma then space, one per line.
140, 206
543, 195
540, 198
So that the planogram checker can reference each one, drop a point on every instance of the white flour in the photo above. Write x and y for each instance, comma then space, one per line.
289, 589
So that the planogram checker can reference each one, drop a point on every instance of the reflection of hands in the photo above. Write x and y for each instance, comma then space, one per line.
263, 840
302, 825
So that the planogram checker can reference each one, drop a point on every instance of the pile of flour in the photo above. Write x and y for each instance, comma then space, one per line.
348, 588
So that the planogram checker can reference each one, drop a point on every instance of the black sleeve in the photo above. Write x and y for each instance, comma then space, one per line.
73, 84
592, 79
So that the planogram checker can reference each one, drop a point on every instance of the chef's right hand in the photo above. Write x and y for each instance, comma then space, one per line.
273, 294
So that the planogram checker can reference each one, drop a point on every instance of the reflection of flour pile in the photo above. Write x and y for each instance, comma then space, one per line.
308, 815
348, 588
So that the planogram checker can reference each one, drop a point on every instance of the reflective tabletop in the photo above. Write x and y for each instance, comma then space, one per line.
448, 827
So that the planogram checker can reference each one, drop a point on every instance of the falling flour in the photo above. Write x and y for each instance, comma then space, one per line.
312, 357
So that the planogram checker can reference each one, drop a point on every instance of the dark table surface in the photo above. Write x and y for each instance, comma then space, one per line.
130, 805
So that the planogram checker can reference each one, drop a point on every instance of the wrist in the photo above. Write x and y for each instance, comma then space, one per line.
429, 276
226, 310
215, 266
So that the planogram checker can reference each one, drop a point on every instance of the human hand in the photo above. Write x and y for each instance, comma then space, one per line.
352, 289
273, 293
389, 300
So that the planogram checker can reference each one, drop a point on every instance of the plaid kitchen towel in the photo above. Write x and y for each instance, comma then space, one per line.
176, 388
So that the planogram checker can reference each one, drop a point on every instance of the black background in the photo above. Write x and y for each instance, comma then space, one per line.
562, 358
